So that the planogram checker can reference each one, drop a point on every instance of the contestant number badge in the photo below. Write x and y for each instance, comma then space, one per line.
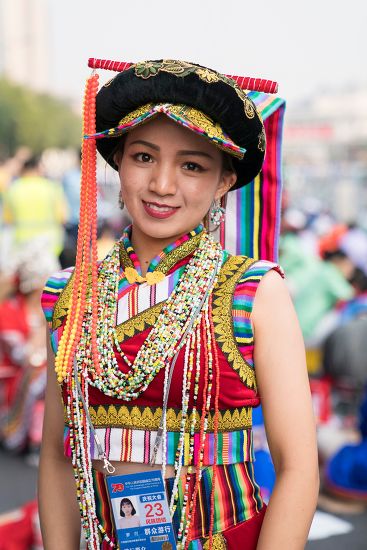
140, 511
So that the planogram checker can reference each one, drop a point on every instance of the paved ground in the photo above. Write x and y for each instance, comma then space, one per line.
18, 484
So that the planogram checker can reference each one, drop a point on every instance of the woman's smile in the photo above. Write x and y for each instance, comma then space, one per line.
159, 211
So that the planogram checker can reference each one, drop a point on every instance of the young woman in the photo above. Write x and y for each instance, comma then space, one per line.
155, 349
128, 517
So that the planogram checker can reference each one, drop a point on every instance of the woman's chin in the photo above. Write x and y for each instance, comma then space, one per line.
164, 229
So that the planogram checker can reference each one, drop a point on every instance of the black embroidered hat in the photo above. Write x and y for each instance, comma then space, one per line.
201, 99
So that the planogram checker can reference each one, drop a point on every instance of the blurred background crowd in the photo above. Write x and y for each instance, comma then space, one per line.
323, 248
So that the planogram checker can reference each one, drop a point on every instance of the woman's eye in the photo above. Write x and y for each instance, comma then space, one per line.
193, 167
143, 157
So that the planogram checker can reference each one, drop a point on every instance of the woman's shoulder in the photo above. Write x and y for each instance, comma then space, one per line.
54, 286
258, 268
249, 280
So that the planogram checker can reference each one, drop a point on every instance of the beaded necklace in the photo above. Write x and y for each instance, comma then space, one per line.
161, 344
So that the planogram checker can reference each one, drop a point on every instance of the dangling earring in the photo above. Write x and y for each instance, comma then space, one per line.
121, 202
217, 213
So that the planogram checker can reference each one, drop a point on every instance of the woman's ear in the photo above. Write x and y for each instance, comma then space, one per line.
227, 181
117, 157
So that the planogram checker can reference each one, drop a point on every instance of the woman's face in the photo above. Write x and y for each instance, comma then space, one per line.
169, 177
127, 508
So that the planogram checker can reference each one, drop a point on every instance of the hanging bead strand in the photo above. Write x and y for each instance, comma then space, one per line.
216, 417
73, 326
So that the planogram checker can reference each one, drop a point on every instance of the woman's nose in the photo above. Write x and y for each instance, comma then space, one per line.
163, 180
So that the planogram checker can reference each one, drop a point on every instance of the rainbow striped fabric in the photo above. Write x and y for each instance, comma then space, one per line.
243, 300
236, 499
129, 445
252, 220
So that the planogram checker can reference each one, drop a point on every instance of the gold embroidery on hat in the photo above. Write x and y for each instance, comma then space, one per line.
146, 69
262, 141
130, 117
199, 119
207, 75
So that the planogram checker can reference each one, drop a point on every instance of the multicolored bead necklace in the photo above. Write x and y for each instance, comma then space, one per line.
161, 344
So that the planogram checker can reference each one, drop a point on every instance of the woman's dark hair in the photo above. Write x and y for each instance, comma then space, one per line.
119, 147
126, 501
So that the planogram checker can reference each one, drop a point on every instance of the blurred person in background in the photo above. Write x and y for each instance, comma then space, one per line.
23, 349
345, 473
344, 356
71, 186
317, 283
34, 206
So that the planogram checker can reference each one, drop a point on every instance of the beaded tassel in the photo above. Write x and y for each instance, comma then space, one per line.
86, 258
216, 413
208, 376
85, 268
181, 448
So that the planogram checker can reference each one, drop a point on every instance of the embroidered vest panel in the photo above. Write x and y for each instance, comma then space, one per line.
128, 430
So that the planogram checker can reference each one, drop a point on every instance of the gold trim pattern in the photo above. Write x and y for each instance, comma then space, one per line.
229, 276
125, 260
262, 141
148, 418
218, 542
139, 322
179, 253
62, 304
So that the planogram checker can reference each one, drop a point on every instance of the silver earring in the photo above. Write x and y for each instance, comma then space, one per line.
217, 213
121, 202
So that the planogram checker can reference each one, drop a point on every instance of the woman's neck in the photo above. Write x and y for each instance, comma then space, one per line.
146, 248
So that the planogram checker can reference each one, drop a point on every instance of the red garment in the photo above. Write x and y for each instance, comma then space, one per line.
247, 531
233, 392
21, 530
14, 332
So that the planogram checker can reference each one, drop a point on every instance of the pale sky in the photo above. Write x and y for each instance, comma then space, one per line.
306, 46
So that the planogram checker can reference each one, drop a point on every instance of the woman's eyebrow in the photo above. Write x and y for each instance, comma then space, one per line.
147, 143
196, 153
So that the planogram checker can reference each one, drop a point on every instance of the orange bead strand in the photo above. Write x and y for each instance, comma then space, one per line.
86, 257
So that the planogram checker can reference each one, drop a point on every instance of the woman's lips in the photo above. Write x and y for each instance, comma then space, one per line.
160, 211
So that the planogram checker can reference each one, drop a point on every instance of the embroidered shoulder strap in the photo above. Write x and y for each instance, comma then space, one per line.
232, 307
56, 286
229, 276
243, 301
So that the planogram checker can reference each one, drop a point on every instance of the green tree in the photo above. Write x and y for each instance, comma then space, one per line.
35, 120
